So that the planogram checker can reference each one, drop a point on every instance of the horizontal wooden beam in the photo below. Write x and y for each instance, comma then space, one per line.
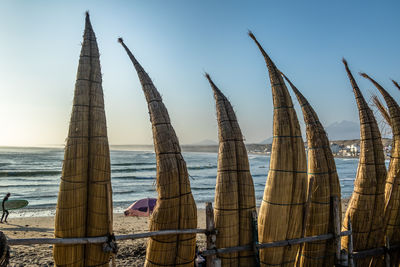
373, 251
164, 232
103, 239
281, 243
65, 241
100, 239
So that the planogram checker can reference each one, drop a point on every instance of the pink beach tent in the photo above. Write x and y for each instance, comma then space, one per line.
143, 207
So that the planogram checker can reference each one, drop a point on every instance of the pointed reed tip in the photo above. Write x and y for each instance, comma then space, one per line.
284, 76
87, 14
363, 74
207, 75
345, 62
396, 84
120, 40
250, 33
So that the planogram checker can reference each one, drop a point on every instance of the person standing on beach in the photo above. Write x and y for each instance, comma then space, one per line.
5, 212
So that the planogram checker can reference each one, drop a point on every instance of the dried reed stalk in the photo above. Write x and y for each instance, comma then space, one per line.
175, 207
382, 109
396, 84
392, 192
281, 211
84, 207
366, 205
234, 192
321, 168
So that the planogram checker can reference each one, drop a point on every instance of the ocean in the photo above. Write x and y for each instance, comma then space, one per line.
34, 174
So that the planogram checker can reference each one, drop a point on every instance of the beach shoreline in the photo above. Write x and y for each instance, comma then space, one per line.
131, 252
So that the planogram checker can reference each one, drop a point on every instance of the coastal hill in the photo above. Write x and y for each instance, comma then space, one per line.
344, 130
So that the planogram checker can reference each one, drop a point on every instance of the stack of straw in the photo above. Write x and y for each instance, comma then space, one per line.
175, 207
322, 169
84, 207
392, 192
234, 191
366, 205
281, 212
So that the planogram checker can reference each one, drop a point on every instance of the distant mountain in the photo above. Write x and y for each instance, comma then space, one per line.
344, 130
267, 141
206, 142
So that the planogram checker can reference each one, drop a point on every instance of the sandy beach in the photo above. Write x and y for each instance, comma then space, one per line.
131, 252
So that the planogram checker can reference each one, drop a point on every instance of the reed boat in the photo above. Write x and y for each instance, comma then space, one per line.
84, 205
367, 203
392, 189
281, 212
175, 208
322, 171
234, 192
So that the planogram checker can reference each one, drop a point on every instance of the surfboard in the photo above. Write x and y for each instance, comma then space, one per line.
14, 204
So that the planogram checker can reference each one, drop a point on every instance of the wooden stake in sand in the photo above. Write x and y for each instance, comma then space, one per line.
175, 207
84, 207
281, 211
234, 192
326, 186
367, 203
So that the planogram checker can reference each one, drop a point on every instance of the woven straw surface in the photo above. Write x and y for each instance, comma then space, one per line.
84, 202
321, 168
281, 211
175, 207
392, 192
366, 206
234, 191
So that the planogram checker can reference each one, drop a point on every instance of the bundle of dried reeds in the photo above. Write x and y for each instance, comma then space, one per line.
84, 206
175, 207
382, 109
392, 192
281, 211
234, 191
366, 205
322, 169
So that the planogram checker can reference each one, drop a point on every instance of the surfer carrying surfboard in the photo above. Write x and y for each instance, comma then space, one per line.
5, 212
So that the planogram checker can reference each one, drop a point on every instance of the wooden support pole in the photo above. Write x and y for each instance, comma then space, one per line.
387, 255
336, 229
306, 213
255, 238
350, 244
344, 257
211, 235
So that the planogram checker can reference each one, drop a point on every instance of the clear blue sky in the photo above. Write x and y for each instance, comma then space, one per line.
176, 41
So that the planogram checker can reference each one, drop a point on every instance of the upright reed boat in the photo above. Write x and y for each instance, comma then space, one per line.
367, 203
392, 189
281, 211
175, 207
322, 169
84, 206
234, 191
